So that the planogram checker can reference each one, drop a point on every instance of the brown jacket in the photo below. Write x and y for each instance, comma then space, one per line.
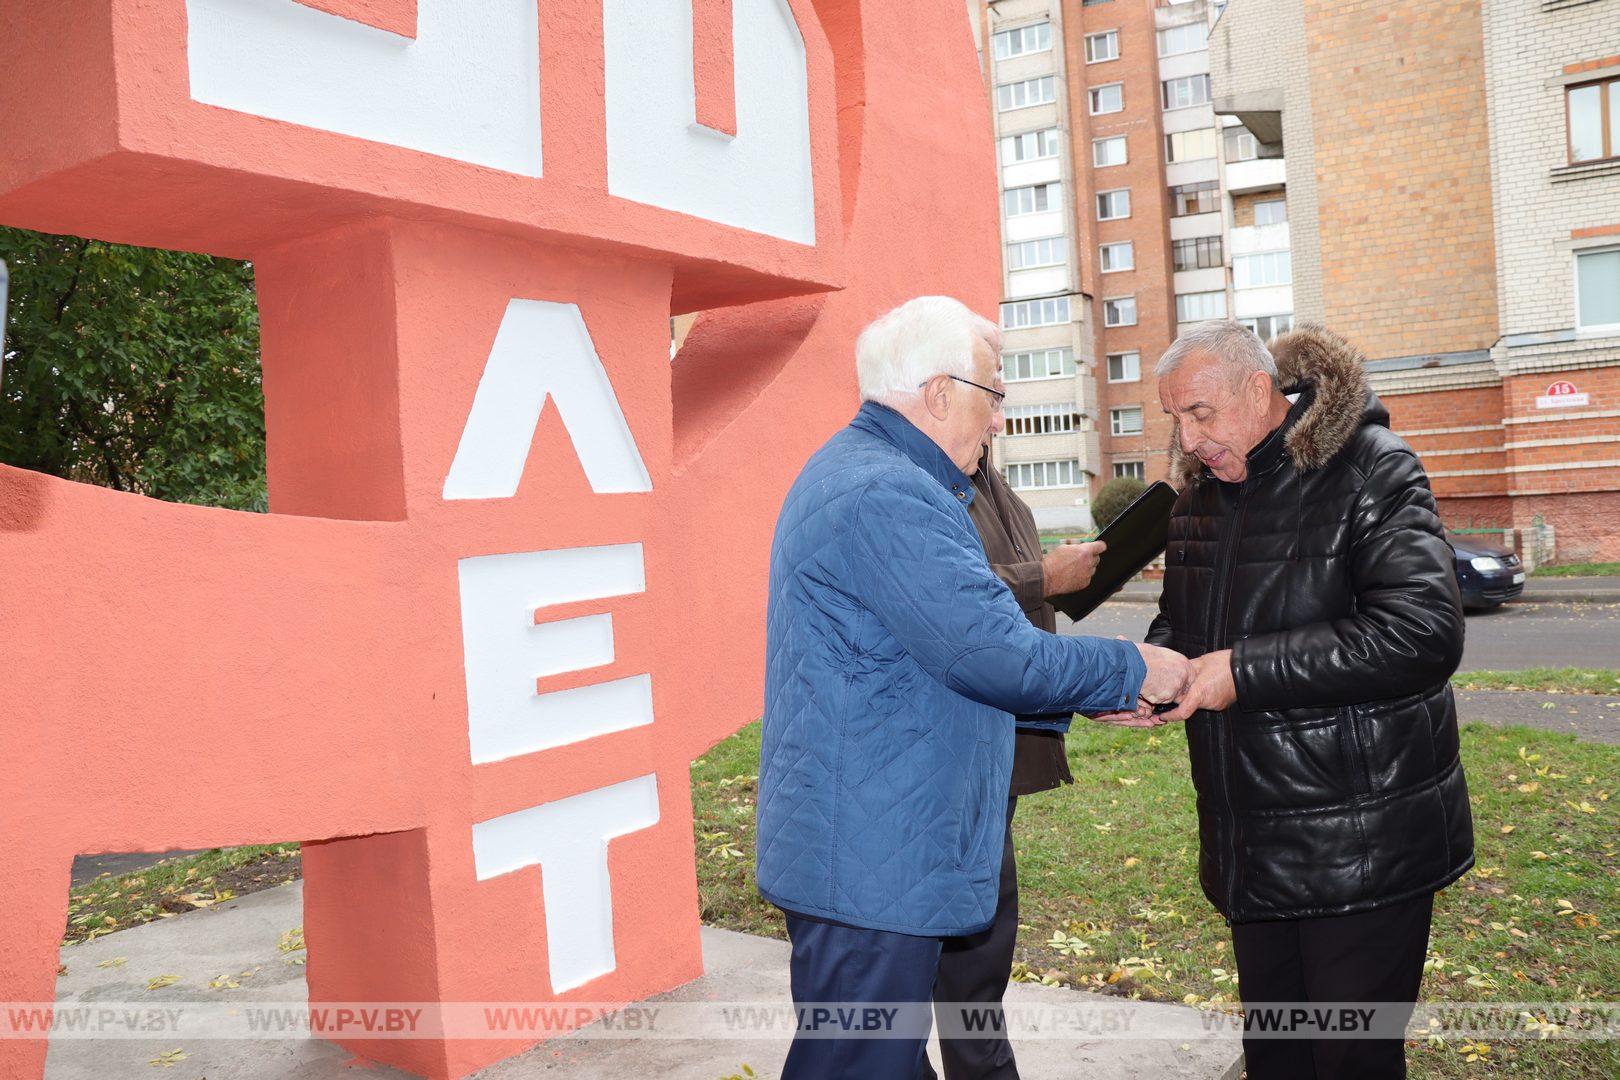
1012, 544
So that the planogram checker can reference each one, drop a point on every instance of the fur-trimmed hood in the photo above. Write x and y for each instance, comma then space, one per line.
1342, 400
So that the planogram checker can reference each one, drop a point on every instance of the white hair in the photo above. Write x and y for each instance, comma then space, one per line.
924, 337
1233, 345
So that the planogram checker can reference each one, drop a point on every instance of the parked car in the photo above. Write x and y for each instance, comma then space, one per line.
1487, 574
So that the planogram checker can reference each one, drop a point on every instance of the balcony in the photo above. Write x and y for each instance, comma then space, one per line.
1175, 12
1261, 174
1248, 239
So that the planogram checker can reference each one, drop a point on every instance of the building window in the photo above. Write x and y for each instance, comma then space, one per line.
1030, 146
1597, 290
1124, 367
1120, 311
1271, 212
1048, 419
1035, 199
1021, 313
1259, 271
1047, 251
1044, 474
1022, 40
1269, 326
1112, 205
1103, 46
1189, 37
1200, 253
1038, 364
1108, 151
1126, 421
1594, 121
1200, 306
1130, 470
1201, 198
1107, 99
1185, 91
1240, 145
1190, 145
1119, 256
1019, 95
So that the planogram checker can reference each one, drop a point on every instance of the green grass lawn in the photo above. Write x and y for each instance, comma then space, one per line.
1109, 896
1585, 569
1557, 680
173, 886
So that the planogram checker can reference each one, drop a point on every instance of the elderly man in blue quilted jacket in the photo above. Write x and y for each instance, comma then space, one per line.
895, 662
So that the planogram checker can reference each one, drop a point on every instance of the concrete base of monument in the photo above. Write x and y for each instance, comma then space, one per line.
244, 955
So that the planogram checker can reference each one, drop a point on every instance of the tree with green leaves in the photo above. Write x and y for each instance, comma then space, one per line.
133, 368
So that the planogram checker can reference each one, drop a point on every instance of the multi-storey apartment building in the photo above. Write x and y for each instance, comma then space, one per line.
1112, 227
1452, 206
1050, 449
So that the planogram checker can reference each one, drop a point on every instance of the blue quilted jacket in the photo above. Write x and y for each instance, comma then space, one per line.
894, 662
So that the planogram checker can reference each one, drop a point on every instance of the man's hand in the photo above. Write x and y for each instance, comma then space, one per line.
1143, 716
1069, 567
1168, 673
1211, 688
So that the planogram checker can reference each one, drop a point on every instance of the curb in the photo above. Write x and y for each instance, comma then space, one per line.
1612, 597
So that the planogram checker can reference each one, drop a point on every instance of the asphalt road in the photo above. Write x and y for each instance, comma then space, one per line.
1508, 638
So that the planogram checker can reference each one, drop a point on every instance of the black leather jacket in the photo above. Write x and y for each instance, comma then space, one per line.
1333, 785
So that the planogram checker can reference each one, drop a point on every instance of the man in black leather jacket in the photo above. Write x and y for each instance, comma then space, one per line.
1308, 576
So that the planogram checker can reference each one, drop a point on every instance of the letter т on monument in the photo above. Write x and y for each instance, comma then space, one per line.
513, 577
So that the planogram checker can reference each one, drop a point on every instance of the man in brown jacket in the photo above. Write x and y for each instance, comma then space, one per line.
976, 969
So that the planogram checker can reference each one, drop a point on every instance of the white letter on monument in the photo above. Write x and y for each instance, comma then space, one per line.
543, 350
568, 840
466, 87
505, 651
657, 152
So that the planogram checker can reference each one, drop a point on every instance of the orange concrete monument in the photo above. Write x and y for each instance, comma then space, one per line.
513, 577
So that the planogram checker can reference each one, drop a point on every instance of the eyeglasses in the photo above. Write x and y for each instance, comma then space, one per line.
996, 396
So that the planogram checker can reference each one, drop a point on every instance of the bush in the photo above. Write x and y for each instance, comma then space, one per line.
1114, 497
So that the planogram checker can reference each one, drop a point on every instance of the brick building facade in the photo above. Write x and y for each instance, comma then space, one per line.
1454, 200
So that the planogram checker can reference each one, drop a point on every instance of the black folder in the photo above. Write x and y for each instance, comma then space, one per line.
1134, 539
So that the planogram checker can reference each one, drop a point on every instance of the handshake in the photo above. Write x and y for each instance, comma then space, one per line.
1176, 687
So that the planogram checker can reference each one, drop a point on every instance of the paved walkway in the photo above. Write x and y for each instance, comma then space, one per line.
242, 935
1589, 716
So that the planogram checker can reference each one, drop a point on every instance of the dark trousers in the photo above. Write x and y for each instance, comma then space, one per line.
834, 964
975, 969
1368, 957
